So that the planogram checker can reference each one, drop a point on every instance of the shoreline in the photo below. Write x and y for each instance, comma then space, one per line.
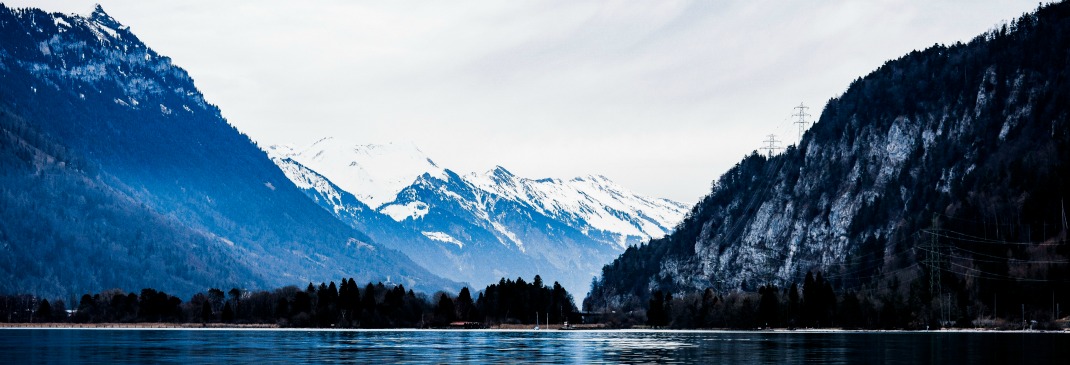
144, 325
518, 328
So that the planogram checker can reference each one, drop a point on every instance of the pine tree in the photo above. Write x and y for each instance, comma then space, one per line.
656, 310
227, 316
44, 312
206, 311
445, 311
282, 308
768, 306
465, 306
794, 306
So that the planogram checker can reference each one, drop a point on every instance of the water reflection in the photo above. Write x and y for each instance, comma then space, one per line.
537, 347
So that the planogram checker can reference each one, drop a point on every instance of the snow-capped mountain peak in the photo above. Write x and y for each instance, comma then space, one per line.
373, 173
594, 199
477, 227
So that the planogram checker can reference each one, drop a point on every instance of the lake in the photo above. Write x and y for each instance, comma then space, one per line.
184, 346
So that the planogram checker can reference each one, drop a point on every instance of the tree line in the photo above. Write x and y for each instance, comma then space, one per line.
327, 305
815, 304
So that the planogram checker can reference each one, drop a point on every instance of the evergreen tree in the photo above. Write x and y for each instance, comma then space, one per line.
227, 316
368, 303
655, 313
768, 306
445, 311
282, 308
86, 309
810, 300
327, 304
59, 311
44, 312
465, 305
302, 305
206, 312
216, 296
794, 305
706, 308
349, 301
667, 317
851, 312
561, 307
828, 301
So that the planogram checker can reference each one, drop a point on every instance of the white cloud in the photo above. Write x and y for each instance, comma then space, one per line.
659, 96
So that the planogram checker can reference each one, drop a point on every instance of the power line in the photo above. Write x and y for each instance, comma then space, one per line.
976, 239
997, 259
959, 236
995, 276
874, 286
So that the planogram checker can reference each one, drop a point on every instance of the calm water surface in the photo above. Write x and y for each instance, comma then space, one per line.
20, 346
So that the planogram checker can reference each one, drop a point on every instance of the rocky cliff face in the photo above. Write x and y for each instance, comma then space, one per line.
966, 145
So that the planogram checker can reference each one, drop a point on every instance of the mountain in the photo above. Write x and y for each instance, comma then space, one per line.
945, 170
374, 173
154, 151
476, 227
67, 227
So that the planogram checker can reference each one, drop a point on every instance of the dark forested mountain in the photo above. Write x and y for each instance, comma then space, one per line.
162, 187
65, 226
946, 166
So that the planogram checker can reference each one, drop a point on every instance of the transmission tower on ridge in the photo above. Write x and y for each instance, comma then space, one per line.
771, 145
801, 114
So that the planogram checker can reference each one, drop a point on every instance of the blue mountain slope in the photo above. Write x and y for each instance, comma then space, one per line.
66, 228
90, 85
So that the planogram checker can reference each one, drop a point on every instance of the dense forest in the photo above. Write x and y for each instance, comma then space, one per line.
816, 304
66, 225
330, 305
932, 191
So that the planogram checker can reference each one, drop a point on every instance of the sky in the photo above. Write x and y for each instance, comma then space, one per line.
660, 96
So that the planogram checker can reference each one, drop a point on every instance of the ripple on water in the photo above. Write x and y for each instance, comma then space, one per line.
538, 347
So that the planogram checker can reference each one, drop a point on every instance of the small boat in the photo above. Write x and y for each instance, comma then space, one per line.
567, 327
536, 321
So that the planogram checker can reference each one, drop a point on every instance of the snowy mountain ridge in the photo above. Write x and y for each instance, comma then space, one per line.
454, 222
594, 199
374, 173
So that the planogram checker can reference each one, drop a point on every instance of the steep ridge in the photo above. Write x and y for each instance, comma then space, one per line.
91, 86
949, 162
476, 227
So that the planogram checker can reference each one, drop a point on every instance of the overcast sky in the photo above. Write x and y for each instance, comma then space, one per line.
660, 96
